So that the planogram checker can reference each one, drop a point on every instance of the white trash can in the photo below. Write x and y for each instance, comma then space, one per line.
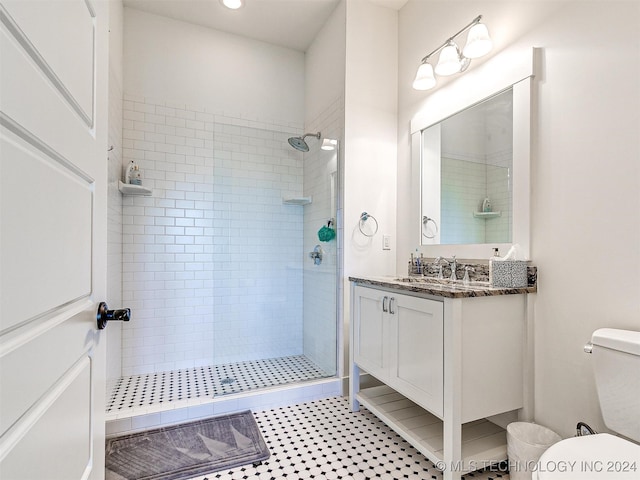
526, 442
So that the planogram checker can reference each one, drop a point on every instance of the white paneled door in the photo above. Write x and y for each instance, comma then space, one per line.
53, 171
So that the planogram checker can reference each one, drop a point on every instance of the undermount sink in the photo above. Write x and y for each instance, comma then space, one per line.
441, 281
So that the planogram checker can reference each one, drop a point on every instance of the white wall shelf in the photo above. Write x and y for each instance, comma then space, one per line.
487, 214
129, 189
296, 200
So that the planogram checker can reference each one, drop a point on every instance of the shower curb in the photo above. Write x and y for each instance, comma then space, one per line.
139, 419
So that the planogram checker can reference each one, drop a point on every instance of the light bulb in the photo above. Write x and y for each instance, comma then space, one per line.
424, 77
478, 42
232, 4
449, 61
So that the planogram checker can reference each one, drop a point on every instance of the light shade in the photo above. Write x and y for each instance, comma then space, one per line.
232, 4
478, 42
329, 144
449, 62
424, 77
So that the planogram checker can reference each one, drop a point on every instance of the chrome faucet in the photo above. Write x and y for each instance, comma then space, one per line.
451, 262
467, 269
454, 265
437, 262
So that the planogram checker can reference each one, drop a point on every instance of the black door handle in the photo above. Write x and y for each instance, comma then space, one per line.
105, 315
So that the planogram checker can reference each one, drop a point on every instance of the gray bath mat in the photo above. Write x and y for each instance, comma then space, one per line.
186, 450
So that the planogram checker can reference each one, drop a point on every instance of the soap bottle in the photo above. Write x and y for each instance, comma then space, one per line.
486, 205
496, 254
136, 176
128, 173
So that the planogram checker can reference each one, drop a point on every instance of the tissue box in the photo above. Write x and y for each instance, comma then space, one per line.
508, 273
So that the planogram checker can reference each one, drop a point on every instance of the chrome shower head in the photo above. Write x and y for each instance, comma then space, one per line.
299, 144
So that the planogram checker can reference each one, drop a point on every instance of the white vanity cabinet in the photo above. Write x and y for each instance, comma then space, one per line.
445, 364
398, 339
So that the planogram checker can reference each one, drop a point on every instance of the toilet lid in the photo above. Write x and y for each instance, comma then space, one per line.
590, 457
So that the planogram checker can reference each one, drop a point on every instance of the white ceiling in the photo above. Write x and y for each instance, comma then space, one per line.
288, 23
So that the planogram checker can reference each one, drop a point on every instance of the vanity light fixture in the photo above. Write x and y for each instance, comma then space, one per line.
232, 4
451, 60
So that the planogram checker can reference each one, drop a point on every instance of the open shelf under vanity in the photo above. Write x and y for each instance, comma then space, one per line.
483, 443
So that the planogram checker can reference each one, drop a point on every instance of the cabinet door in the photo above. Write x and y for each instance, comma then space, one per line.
370, 331
416, 350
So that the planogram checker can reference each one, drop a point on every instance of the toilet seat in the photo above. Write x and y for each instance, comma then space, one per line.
597, 457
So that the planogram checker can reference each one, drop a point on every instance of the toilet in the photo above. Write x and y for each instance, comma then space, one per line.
616, 364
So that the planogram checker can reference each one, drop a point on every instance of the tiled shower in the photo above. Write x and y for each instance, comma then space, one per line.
215, 263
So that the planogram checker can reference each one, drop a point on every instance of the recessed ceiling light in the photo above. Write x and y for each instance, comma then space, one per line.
232, 4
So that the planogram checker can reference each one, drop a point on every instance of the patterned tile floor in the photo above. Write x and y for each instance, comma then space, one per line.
162, 387
325, 440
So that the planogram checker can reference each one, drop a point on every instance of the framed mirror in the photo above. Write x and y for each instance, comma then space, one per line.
470, 149
467, 162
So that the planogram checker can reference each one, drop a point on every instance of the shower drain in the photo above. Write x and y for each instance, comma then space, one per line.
227, 381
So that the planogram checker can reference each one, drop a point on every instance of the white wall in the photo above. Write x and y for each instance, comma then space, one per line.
181, 62
370, 134
116, 39
325, 66
585, 175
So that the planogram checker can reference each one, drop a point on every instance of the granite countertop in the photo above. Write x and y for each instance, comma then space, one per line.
441, 288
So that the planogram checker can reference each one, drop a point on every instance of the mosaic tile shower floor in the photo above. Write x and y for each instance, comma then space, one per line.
325, 440
163, 387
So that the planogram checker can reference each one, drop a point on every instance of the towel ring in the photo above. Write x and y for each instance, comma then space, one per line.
363, 219
425, 222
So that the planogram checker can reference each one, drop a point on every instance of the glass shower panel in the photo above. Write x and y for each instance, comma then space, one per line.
320, 280
257, 246
274, 310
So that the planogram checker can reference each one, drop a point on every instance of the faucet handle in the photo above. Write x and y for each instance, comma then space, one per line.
467, 269
453, 264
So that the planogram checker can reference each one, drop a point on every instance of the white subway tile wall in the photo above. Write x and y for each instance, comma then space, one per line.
211, 261
463, 189
500, 192
466, 182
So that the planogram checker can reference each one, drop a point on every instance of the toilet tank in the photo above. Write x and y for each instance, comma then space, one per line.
616, 363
